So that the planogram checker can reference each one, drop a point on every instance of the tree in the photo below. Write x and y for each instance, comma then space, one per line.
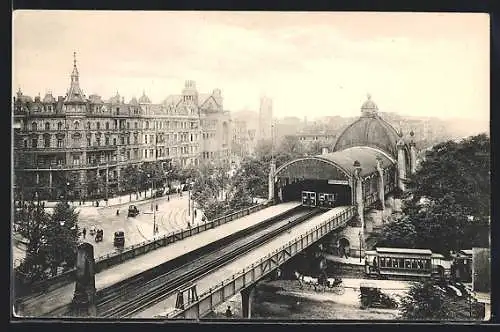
62, 235
447, 207
400, 233
32, 221
426, 301
130, 179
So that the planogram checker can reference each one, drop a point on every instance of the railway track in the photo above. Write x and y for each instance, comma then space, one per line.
140, 293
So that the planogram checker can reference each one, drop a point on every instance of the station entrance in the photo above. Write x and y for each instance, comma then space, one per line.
293, 191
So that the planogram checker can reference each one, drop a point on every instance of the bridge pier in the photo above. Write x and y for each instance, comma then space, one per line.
246, 301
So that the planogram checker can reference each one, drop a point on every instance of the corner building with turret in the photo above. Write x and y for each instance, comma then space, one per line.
74, 140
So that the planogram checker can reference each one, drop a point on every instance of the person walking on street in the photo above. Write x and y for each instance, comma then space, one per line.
84, 232
195, 213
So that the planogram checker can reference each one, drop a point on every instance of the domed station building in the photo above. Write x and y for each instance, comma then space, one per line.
369, 162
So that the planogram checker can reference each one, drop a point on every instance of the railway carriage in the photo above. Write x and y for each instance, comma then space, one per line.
309, 198
313, 199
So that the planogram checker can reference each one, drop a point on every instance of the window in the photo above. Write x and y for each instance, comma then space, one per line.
98, 140
118, 111
59, 126
106, 140
34, 126
25, 143
46, 141
145, 153
107, 125
128, 140
135, 139
407, 263
122, 140
59, 143
128, 125
98, 125
34, 142
76, 124
47, 126
88, 125
128, 154
76, 160
147, 124
382, 261
145, 139
114, 141
135, 125
89, 141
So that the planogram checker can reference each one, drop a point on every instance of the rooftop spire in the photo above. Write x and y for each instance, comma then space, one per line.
75, 93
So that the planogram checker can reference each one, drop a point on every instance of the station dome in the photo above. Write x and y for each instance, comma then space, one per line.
369, 130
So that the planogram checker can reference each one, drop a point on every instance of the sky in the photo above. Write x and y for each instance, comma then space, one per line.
310, 64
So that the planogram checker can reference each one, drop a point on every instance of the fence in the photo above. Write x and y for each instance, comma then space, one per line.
106, 261
251, 274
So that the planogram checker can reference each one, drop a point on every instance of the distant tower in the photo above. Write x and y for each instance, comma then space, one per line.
265, 117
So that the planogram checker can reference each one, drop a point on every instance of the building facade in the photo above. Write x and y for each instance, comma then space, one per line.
81, 144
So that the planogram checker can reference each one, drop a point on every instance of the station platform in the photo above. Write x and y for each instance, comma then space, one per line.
47, 302
226, 271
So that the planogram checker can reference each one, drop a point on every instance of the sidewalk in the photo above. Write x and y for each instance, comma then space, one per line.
343, 260
112, 202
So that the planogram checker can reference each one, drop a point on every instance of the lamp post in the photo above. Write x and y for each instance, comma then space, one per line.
360, 244
152, 202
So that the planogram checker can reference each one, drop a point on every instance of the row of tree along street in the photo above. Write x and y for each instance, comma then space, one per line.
133, 179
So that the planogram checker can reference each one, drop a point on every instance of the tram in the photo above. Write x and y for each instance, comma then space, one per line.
402, 263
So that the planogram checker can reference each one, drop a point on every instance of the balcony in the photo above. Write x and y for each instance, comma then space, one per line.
102, 148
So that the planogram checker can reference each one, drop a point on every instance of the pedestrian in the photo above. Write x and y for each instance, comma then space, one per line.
189, 225
195, 213
168, 198
156, 207
345, 253
156, 228
229, 314
118, 212
84, 232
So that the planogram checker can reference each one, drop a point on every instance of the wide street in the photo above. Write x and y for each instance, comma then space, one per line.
172, 215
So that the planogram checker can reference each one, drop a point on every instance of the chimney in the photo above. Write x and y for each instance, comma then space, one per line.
324, 150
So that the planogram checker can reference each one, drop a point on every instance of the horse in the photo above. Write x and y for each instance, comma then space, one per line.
309, 281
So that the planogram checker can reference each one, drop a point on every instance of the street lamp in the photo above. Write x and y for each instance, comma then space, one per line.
360, 244
152, 202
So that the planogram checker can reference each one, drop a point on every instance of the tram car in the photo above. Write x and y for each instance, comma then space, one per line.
403, 263
309, 198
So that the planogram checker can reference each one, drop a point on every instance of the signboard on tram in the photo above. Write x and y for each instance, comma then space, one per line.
344, 182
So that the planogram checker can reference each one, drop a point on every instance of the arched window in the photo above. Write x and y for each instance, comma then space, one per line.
46, 141
33, 126
98, 125
135, 125
88, 125
77, 124
147, 124
107, 125
47, 126
59, 126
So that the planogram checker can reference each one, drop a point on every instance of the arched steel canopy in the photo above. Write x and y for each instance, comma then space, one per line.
336, 165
